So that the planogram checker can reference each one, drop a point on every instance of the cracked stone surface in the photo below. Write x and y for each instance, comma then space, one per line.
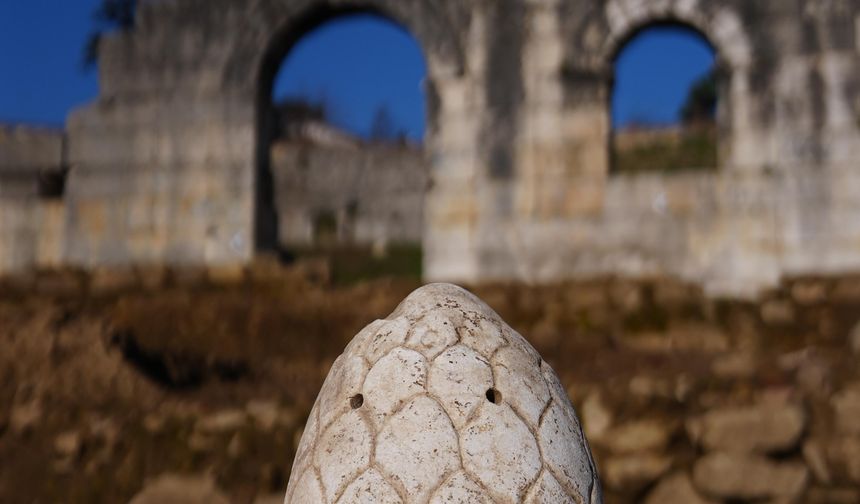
442, 402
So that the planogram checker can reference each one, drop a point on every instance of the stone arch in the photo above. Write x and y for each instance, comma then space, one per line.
289, 31
285, 27
717, 24
439, 28
721, 26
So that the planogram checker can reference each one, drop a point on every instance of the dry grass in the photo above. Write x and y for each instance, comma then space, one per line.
664, 151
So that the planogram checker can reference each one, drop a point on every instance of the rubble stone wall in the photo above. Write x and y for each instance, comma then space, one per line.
119, 377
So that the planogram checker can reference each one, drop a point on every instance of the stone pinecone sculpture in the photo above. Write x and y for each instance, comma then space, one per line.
443, 403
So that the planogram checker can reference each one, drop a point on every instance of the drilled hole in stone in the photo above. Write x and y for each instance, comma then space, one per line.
356, 401
494, 396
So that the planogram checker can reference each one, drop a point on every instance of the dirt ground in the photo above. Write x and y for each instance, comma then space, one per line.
110, 379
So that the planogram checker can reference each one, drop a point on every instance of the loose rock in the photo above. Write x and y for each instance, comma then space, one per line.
763, 428
639, 436
742, 476
814, 455
854, 339
676, 489
175, 489
833, 496
812, 371
223, 421
25, 416
739, 365
596, 416
68, 444
269, 499
777, 312
808, 293
264, 413
632, 473
846, 408
843, 458
686, 337
235, 446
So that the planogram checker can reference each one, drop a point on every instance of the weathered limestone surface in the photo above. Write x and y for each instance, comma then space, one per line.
442, 402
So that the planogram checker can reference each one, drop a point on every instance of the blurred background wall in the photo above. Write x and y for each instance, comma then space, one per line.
172, 163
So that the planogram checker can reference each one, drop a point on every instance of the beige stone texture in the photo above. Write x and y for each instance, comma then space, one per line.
846, 407
676, 488
750, 477
442, 402
637, 436
176, 489
762, 428
634, 472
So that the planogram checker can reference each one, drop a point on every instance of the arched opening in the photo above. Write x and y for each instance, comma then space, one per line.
666, 101
341, 120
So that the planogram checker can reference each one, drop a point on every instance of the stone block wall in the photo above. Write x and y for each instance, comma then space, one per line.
31, 219
545, 207
169, 162
25, 154
372, 194
160, 179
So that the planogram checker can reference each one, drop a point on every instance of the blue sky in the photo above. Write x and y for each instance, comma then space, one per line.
40, 59
653, 73
363, 57
367, 63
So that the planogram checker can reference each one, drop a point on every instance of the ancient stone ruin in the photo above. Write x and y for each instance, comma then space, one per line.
442, 402
172, 163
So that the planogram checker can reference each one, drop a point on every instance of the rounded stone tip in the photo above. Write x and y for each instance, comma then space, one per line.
442, 402
440, 296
